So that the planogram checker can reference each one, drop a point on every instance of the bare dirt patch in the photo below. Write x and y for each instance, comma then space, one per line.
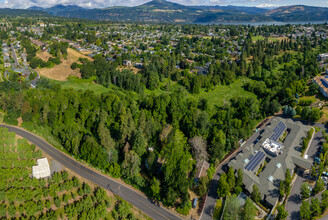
86, 52
133, 69
20, 121
324, 117
62, 71
44, 56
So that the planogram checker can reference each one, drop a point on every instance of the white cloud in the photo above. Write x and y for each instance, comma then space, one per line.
109, 3
81, 3
267, 6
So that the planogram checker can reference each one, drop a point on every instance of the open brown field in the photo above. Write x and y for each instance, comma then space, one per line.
133, 69
63, 70
44, 55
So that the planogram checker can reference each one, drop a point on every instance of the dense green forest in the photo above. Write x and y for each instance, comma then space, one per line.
153, 137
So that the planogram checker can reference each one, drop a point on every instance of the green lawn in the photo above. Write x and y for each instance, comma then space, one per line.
216, 96
311, 98
256, 38
84, 84
167, 86
223, 93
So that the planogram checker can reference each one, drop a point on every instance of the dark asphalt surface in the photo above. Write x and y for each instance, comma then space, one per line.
295, 200
14, 56
136, 199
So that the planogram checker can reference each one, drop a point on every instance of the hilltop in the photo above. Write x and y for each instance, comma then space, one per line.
299, 13
162, 11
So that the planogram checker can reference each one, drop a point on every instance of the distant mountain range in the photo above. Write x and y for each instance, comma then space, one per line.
161, 11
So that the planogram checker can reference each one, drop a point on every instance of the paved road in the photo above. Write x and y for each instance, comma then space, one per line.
136, 199
14, 56
212, 194
295, 200
35, 80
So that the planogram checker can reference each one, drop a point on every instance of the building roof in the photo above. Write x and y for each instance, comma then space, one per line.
302, 162
320, 80
42, 169
202, 169
273, 172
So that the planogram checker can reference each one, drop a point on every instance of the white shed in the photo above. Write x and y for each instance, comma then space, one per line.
42, 170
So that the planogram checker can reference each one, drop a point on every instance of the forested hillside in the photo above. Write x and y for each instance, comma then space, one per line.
159, 11
154, 137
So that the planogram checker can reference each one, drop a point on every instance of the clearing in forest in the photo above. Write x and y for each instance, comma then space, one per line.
63, 70
216, 96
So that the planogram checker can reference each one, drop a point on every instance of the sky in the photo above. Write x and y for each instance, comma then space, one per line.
109, 3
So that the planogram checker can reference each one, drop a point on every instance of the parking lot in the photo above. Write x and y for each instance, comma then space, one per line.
295, 200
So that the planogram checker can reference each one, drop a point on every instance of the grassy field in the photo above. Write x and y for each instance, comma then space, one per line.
309, 98
223, 93
63, 70
216, 96
84, 84
256, 38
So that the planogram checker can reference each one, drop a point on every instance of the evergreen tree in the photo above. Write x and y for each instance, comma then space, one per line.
256, 195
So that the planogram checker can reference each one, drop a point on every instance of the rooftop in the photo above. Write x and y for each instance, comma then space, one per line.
277, 161
42, 169
322, 81
273, 147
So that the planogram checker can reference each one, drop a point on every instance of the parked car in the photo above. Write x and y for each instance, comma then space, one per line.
324, 173
194, 204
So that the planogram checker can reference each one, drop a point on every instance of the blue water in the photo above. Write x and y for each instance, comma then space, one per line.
267, 23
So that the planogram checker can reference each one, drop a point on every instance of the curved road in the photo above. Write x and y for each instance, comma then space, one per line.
133, 197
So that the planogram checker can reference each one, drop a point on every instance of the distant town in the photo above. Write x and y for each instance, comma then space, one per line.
124, 120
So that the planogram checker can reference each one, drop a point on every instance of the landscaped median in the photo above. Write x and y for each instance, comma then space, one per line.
218, 209
307, 141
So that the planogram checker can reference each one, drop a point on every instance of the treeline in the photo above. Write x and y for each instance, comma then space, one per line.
126, 136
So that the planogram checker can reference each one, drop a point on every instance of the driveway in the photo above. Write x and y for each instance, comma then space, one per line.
295, 200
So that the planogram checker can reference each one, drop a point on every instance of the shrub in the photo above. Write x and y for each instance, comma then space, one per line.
74, 66
305, 102
184, 208
217, 209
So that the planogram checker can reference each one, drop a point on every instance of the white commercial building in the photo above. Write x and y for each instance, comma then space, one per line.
42, 170
272, 147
